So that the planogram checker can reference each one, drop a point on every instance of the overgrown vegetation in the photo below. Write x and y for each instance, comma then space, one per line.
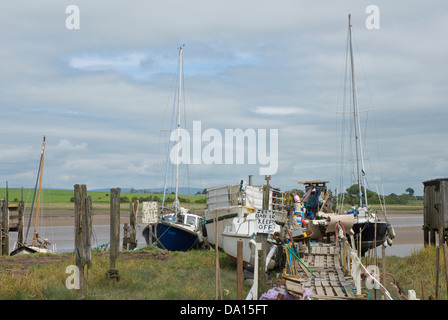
182, 276
415, 272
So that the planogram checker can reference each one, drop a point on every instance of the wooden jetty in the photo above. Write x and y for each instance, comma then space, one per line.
325, 269
328, 280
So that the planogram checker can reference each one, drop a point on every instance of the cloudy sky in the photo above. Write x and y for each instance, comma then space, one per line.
103, 94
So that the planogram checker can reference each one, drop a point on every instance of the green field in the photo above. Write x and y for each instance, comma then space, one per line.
63, 199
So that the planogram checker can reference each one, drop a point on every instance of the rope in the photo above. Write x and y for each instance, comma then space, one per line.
290, 250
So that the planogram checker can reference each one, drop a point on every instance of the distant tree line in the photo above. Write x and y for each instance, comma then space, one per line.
168, 199
351, 196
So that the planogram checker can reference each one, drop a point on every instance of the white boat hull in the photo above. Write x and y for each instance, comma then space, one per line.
242, 229
225, 217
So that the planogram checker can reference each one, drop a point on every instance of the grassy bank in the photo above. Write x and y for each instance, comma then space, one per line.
155, 274
147, 274
63, 199
414, 271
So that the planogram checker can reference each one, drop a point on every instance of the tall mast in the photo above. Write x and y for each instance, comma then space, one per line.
40, 187
359, 153
179, 90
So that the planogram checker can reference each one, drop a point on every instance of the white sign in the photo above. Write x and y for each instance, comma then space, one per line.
150, 214
265, 221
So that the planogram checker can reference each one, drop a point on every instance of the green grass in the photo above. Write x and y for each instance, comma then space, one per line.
185, 276
61, 199
413, 271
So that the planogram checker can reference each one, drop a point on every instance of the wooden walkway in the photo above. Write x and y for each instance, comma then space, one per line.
329, 281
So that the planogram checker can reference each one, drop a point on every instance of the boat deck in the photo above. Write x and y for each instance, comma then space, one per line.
329, 281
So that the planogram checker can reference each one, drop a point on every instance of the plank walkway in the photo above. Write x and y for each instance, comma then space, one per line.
329, 281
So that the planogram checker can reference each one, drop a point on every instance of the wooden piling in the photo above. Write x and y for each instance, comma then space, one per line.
437, 271
20, 211
83, 232
239, 269
218, 282
445, 263
5, 228
5, 224
261, 238
113, 272
383, 262
129, 234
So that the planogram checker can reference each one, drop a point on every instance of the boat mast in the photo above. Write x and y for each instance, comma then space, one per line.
34, 197
359, 153
179, 90
38, 196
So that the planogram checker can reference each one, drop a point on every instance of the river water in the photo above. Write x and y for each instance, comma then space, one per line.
63, 236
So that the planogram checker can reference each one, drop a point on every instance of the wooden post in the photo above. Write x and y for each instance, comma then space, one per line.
239, 270
5, 227
262, 239
83, 232
20, 210
437, 271
2, 206
5, 222
383, 262
445, 263
218, 283
129, 233
114, 232
133, 225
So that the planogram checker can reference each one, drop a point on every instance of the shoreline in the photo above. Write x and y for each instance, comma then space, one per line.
57, 218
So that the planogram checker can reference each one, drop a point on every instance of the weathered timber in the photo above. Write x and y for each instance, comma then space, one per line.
113, 272
83, 231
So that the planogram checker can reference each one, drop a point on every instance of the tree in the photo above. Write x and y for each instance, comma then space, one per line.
410, 191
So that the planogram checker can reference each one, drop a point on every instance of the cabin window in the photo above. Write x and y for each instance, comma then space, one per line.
191, 220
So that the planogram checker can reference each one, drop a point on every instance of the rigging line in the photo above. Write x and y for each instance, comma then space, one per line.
342, 129
187, 167
34, 198
169, 142
192, 110
162, 135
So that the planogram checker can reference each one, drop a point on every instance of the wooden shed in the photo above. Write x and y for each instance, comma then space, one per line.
435, 213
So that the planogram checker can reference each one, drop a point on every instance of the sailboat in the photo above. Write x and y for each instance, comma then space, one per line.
179, 230
370, 230
39, 244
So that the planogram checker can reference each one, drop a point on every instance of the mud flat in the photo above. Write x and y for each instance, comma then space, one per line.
407, 225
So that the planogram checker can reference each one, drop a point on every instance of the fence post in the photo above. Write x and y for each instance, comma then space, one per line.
114, 232
83, 232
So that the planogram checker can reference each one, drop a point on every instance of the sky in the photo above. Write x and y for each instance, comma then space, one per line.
102, 91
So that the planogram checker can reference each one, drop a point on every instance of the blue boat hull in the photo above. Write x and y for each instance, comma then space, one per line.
170, 237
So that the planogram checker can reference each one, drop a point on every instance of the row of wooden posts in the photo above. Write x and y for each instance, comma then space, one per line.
260, 276
83, 231
11, 219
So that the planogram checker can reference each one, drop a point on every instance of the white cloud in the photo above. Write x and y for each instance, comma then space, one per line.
66, 145
95, 62
278, 111
102, 94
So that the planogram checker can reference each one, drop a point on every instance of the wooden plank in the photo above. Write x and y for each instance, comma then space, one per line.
333, 280
317, 279
320, 291
339, 291
329, 291
324, 280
